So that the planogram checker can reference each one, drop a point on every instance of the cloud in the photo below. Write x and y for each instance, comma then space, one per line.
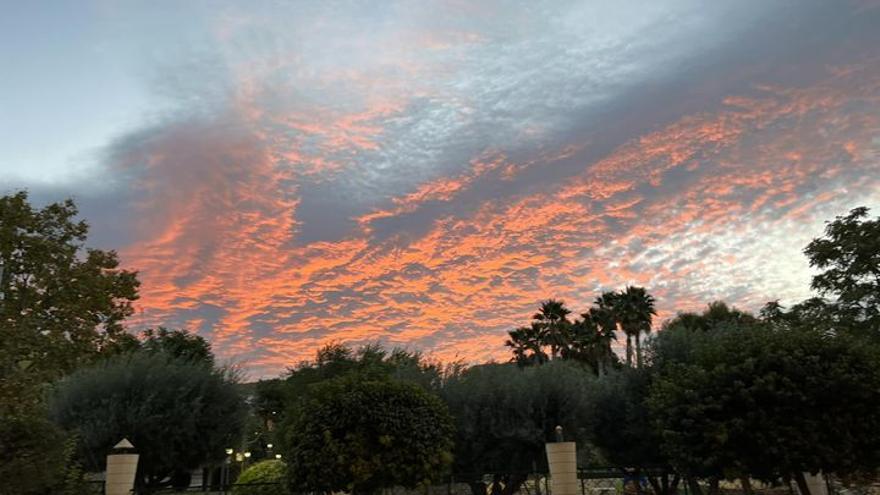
424, 177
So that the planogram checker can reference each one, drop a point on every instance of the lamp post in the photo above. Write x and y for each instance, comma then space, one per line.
224, 473
2, 294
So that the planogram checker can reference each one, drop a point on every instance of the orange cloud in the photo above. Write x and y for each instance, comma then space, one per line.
692, 210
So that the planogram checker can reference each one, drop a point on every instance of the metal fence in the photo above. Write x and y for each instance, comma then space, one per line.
593, 481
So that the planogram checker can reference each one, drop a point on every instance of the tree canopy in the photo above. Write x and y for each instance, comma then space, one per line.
179, 344
361, 436
62, 302
177, 413
848, 257
504, 414
751, 400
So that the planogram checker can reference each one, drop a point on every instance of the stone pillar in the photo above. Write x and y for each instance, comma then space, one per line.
816, 484
562, 459
121, 469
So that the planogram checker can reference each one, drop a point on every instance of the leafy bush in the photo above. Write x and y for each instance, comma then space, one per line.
272, 471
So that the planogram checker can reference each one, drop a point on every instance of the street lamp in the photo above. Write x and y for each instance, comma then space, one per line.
224, 474
278, 456
2, 294
269, 446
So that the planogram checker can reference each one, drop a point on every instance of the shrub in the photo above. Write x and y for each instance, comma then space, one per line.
261, 475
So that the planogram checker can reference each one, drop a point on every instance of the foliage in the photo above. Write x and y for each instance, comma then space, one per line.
505, 414
676, 341
32, 449
588, 339
527, 345
272, 472
552, 318
178, 414
274, 398
62, 303
848, 256
179, 344
754, 400
622, 422
634, 312
360, 436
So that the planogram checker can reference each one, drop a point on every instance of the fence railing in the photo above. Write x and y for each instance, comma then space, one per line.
593, 481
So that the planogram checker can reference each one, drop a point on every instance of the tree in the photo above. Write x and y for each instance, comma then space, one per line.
505, 414
553, 320
32, 449
590, 343
750, 400
586, 340
274, 400
848, 256
361, 436
62, 303
634, 309
60, 306
527, 345
178, 414
623, 430
178, 344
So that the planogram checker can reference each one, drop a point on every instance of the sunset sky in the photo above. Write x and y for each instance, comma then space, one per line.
284, 174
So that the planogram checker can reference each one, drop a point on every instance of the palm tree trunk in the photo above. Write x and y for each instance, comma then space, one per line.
629, 350
638, 350
694, 486
746, 484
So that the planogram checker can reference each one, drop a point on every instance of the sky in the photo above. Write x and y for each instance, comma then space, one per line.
424, 173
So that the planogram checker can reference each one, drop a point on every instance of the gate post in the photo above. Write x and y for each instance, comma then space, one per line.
122, 465
562, 460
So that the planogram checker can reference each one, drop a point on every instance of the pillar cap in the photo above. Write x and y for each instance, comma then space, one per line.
123, 447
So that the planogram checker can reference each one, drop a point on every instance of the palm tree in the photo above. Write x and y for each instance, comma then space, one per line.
527, 344
635, 310
604, 324
606, 313
553, 317
589, 343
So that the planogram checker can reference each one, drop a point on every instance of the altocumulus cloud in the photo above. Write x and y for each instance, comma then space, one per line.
423, 174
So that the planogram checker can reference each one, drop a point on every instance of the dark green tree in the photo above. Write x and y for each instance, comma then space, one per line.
634, 310
32, 449
276, 398
623, 429
848, 256
590, 343
504, 415
751, 400
178, 414
179, 344
62, 303
552, 317
527, 345
362, 436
